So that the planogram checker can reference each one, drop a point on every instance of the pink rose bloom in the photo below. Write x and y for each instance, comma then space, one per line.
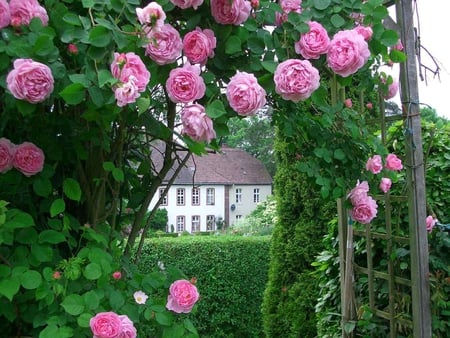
374, 164
152, 15
7, 150
228, 12
369, 105
187, 3
359, 192
28, 159
164, 45
185, 84
347, 53
130, 64
296, 80
392, 90
198, 45
127, 92
291, 6
385, 184
313, 43
348, 103
430, 222
128, 329
30, 81
365, 31
5, 16
393, 162
398, 46
117, 275
106, 325
245, 95
365, 211
182, 296
22, 11
196, 124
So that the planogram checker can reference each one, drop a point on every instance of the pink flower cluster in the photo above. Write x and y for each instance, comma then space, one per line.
20, 12
430, 223
133, 76
112, 325
228, 12
30, 81
182, 296
364, 206
287, 6
375, 165
25, 157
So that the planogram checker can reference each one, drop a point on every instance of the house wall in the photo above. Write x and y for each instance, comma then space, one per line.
247, 203
225, 197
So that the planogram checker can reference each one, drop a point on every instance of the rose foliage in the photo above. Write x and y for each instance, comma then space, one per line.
91, 90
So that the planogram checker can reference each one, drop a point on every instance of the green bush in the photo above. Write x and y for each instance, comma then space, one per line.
230, 273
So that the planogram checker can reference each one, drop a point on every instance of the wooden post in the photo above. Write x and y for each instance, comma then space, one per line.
415, 174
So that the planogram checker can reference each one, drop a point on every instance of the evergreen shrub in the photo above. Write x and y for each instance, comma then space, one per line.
230, 271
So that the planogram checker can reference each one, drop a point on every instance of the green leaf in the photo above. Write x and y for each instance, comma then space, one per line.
84, 319
93, 271
142, 103
175, 331
397, 56
31, 279
42, 253
116, 300
215, 109
105, 77
256, 45
91, 300
108, 166
58, 206
164, 318
72, 19
80, 78
18, 219
270, 66
42, 186
9, 287
51, 331
322, 4
88, 3
337, 20
25, 107
118, 174
189, 326
72, 189
51, 236
339, 154
99, 36
73, 304
233, 45
389, 38
73, 94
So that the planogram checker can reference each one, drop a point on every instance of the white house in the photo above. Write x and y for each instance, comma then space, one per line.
218, 187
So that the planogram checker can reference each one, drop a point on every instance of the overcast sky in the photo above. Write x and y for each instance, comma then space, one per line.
433, 23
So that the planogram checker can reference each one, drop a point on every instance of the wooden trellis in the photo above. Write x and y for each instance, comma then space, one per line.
386, 288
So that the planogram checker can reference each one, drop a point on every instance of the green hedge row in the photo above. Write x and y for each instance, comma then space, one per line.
231, 273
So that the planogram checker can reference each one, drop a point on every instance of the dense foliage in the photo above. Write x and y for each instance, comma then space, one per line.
231, 272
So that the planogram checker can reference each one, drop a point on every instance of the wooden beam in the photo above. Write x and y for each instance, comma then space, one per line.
415, 173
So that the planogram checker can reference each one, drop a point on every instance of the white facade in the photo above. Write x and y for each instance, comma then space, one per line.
199, 208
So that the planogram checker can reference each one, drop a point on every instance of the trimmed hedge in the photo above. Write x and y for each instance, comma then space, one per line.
231, 273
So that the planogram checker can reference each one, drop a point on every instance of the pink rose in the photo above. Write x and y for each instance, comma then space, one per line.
106, 325
398, 46
117, 275
185, 84
5, 16
127, 92
393, 162
296, 80
72, 49
130, 64
22, 11
365, 211
348, 103
365, 31
182, 296
30, 81
291, 6
198, 45
359, 192
127, 326
7, 150
430, 223
164, 45
28, 159
374, 164
369, 105
187, 3
313, 43
196, 124
244, 94
347, 53
228, 12
152, 15
392, 90
385, 184
56, 275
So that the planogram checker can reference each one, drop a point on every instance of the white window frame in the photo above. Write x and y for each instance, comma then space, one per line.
195, 196
238, 195
210, 222
210, 196
181, 223
181, 196
195, 223
165, 200
256, 195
